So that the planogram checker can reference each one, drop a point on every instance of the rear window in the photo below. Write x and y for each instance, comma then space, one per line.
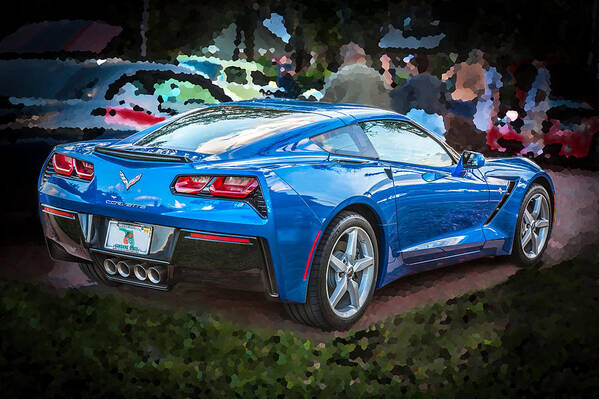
214, 130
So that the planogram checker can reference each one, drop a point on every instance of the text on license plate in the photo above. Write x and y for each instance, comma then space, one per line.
128, 237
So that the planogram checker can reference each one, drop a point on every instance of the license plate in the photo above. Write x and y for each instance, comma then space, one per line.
128, 237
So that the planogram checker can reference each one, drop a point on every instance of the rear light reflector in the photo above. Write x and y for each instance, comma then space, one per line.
202, 236
233, 186
85, 170
63, 164
58, 212
191, 184
310, 256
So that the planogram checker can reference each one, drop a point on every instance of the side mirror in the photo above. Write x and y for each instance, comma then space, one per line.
469, 160
472, 160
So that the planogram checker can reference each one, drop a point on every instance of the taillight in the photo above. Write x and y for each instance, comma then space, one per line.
85, 170
191, 184
63, 164
222, 186
233, 186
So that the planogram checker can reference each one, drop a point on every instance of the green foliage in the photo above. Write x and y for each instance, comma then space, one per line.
535, 335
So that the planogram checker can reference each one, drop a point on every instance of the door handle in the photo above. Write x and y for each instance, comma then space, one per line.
432, 176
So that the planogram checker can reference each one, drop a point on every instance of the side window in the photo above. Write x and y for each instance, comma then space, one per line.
347, 140
404, 142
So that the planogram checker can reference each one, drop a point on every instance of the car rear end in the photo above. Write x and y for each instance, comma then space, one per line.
138, 218
187, 201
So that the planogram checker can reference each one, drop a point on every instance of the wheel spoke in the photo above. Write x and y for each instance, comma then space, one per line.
354, 293
542, 223
363, 263
337, 264
527, 217
526, 238
536, 210
535, 242
352, 244
338, 293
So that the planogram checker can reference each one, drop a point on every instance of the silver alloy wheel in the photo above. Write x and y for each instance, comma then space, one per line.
534, 228
350, 272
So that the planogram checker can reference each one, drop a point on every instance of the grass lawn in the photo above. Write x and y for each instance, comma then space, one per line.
535, 335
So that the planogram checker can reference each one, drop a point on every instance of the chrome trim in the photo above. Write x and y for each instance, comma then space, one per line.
140, 272
110, 266
156, 274
124, 268
88, 236
85, 220
122, 255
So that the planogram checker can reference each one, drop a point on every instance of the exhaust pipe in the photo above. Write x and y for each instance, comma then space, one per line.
123, 268
110, 266
156, 274
140, 271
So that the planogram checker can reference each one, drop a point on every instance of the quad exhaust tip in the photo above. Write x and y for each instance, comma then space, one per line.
110, 266
156, 274
140, 272
123, 268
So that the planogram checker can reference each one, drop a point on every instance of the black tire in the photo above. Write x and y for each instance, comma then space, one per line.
93, 272
518, 255
316, 311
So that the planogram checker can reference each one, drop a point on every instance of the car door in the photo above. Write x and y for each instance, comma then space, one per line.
438, 215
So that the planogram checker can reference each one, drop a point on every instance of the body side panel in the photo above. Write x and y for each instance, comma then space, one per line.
328, 187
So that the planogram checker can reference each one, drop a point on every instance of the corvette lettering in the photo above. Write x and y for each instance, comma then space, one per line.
120, 203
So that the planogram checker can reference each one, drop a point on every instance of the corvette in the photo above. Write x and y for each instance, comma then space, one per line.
314, 204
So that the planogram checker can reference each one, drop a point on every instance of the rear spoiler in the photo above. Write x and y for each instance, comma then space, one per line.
141, 156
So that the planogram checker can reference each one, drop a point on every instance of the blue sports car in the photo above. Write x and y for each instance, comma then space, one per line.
314, 204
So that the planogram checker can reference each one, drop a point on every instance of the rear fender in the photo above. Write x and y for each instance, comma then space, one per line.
336, 185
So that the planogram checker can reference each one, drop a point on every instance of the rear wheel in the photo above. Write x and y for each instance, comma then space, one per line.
343, 275
93, 272
533, 227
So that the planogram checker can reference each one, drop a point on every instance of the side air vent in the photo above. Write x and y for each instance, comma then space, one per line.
508, 191
256, 200
48, 170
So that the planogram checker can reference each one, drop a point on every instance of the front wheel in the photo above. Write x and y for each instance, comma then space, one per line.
533, 227
343, 275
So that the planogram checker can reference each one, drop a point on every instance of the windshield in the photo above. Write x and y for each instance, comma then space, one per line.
214, 130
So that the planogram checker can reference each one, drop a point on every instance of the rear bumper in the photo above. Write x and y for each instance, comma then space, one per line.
232, 261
